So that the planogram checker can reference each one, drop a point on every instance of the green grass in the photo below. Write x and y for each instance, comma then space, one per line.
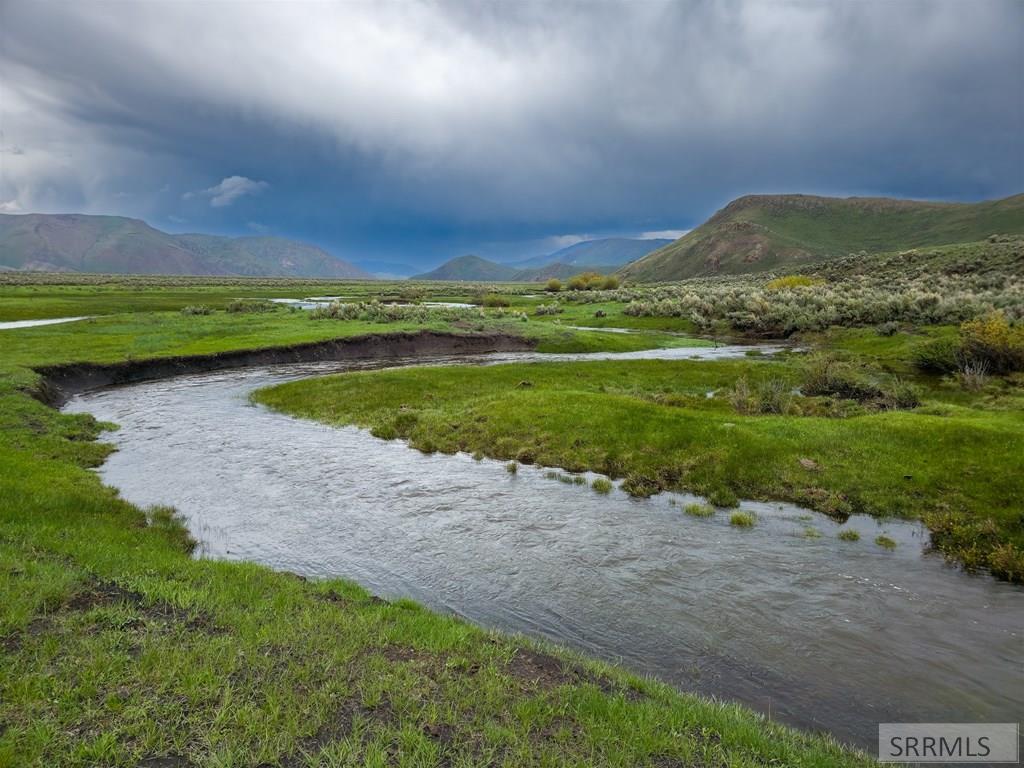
849, 534
117, 648
885, 542
953, 462
699, 510
603, 486
743, 519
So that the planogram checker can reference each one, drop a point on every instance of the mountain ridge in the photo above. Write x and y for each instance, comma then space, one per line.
762, 232
78, 242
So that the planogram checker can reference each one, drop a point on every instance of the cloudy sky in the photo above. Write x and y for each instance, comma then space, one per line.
414, 132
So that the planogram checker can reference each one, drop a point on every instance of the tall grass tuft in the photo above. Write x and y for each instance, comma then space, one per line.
742, 519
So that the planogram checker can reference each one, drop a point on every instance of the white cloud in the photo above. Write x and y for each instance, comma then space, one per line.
11, 206
557, 242
663, 234
229, 190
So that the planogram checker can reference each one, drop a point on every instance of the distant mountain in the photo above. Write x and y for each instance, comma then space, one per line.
476, 269
762, 232
387, 270
114, 244
470, 268
606, 252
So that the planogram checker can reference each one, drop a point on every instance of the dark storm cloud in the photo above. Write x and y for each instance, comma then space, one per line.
421, 129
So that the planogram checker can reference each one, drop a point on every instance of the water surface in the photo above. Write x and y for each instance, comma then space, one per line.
823, 634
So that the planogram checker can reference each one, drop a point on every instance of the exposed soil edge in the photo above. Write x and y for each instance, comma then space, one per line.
61, 382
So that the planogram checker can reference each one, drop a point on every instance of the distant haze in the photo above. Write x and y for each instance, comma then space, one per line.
412, 132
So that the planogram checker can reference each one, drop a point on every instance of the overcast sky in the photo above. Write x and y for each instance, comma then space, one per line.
419, 131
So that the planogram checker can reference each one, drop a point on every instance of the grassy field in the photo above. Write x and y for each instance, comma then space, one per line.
954, 461
117, 648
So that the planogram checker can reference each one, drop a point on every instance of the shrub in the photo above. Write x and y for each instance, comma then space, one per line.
885, 542
898, 394
699, 510
772, 396
937, 356
742, 519
196, 309
992, 340
610, 283
549, 309
849, 534
887, 329
601, 485
828, 375
554, 285
494, 300
239, 306
792, 281
973, 375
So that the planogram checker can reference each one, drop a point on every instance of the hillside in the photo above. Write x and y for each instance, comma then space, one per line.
764, 232
606, 252
476, 269
114, 244
470, 268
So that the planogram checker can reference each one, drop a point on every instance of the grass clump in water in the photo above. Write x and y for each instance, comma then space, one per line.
885, 542
849, 534
602, 485
743, 519
512, 467
723, 496
699, 510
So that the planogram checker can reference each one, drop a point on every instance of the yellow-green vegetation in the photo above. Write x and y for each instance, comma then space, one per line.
953, 461
118, 648
602, 485
699, 510
885, 542
848, 534
743, 519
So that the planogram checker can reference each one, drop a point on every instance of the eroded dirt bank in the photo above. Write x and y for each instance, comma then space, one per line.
60, 382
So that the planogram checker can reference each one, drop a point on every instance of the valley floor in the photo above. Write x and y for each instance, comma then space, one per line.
118, 648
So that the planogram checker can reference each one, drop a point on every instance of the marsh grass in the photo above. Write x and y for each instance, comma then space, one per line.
848, 534
602, 485
699, 510
512, 467
742, 519
885, 542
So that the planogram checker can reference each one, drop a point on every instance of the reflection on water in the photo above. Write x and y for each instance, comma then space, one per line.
11, 324
825, 634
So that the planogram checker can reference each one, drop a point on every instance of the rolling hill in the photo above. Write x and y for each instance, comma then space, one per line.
764, 232
114, 244
606, 252
470, 268
478, 270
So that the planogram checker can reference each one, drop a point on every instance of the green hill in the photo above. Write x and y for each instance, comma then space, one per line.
114, 244
470, 268
766, 232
